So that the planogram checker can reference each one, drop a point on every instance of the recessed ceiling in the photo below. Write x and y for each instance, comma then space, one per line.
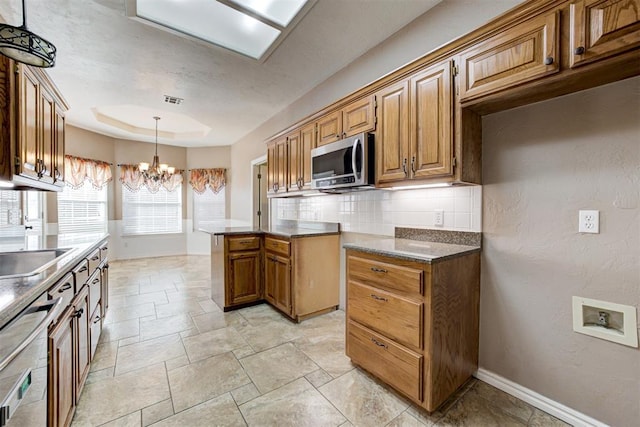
105, 58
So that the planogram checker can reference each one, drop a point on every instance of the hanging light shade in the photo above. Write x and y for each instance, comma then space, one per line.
156, 172
22, 45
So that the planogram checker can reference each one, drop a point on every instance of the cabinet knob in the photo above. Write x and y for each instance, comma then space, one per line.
579, 50
338, 135
548, 60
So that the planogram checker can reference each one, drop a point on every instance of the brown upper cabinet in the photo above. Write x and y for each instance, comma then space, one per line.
358, 116
277, 166
32, 120
299, 146
415, 128
525, 52
602, 28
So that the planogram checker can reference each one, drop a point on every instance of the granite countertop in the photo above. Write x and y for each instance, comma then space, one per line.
284, 229
413, 250
17, 293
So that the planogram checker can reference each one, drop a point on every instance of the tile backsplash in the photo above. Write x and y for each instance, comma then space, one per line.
380, 211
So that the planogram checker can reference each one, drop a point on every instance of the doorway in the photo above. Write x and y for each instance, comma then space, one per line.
260, 202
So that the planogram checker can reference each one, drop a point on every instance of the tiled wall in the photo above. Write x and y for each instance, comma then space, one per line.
379, 211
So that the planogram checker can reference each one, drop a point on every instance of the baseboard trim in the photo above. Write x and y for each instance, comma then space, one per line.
541, 402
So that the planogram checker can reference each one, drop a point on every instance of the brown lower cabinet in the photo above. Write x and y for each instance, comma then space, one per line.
414, 324
277, 281
73, 337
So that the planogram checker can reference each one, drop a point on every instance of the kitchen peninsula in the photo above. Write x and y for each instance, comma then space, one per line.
294, 266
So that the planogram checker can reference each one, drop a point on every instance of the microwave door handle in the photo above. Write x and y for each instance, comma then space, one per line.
353, 156
50, 307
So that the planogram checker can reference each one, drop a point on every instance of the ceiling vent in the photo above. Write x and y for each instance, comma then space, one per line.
173, 100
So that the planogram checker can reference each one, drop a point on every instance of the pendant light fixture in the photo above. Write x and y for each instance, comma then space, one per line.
157, 172
22, 45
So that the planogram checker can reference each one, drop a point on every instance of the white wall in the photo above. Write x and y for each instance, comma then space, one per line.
541, 164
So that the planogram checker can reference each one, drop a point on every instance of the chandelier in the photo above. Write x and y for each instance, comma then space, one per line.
22, 45
156, 172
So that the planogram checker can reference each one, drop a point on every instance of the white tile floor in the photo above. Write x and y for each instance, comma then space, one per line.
168, 356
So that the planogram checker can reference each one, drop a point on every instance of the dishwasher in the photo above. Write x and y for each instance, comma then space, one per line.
23, 365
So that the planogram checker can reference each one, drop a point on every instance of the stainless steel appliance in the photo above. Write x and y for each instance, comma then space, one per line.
23, 365
344, 164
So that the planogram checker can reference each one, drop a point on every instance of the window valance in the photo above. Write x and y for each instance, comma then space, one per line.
213, 178
78, 169
133, 179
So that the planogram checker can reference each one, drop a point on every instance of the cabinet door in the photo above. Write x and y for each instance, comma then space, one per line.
282, 284
603, 28
272, 168
270, 278
523, 53
82, 339
61, 382
96, 329
293, 154
392, 136
29, 124
281, 165
244, 277
307, 143
58, 146
359, 116
47, 136
329, 128
104, 294
431, 122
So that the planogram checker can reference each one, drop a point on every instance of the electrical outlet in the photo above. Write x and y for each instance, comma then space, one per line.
589, 222
438, 217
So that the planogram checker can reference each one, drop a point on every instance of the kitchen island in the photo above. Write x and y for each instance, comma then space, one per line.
294, 266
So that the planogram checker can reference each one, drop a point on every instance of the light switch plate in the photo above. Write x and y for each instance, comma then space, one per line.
589, 221
438, 217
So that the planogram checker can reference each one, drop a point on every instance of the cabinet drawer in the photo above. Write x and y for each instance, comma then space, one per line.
243, 243
104, 252
520, 54
276, 245
95, 290
81, 273
396, 317
63, 289
399, 367
389, 276
94, 260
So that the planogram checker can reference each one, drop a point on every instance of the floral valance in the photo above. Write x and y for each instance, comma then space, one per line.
133, 179
78, 169
201, 178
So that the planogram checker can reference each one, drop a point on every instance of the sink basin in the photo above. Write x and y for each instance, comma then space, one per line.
28, 263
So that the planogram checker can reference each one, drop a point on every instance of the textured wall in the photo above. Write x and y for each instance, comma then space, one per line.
541, 164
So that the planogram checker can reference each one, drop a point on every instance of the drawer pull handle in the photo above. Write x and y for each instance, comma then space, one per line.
65, 287
376, 297
95, 281
379, 270
378, 343
98, 318
78, 313
245, 242
83, 269
95, 258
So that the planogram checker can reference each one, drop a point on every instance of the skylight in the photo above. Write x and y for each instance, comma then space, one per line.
249, 27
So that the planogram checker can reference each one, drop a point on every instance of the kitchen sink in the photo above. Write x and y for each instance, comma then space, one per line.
28, 263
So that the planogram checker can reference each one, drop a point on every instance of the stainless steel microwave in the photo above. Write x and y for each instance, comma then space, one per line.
345, 163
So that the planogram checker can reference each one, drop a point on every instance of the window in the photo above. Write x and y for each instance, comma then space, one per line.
208, 209
144, 212
82, 210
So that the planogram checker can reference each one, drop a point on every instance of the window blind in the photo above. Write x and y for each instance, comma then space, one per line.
82, 210
208, 209
10, 213
151, 213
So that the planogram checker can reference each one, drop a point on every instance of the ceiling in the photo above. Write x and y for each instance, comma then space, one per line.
107, 59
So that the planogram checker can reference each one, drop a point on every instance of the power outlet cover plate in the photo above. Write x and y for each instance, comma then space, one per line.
589, 221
